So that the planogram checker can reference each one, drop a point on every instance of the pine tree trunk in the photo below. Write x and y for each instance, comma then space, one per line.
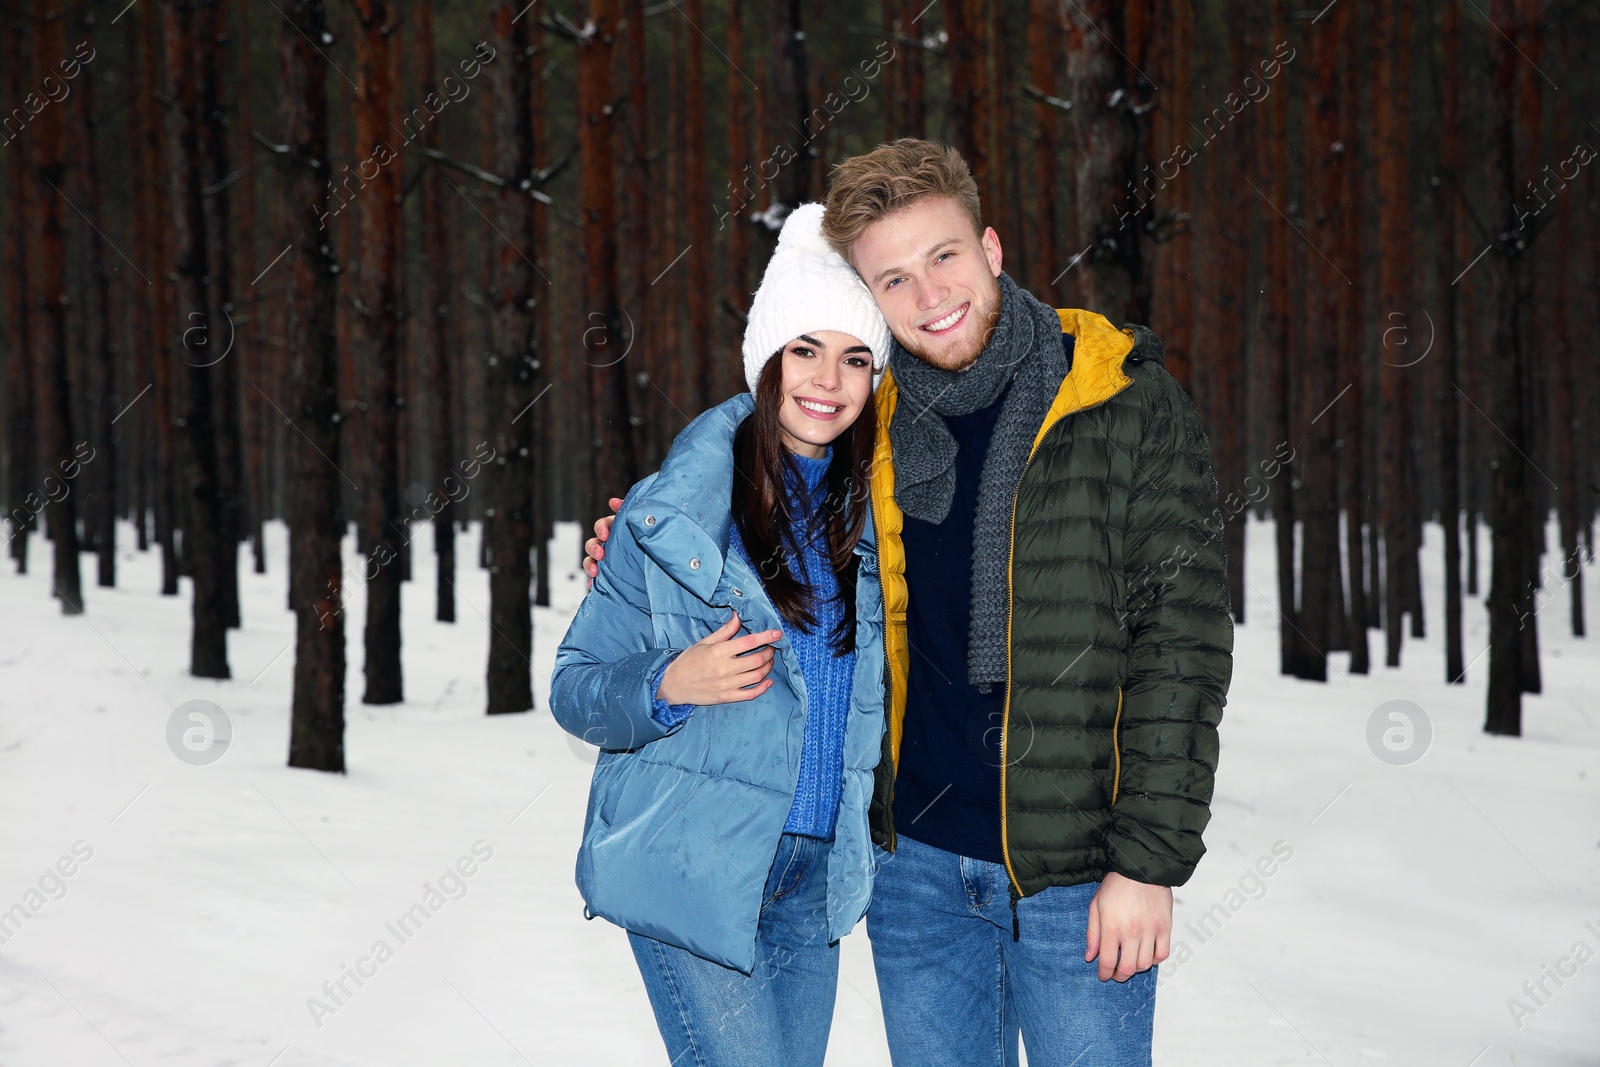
378, 287
508, 528
1511, 153
972, 89
1043, 64
207, 543
546, 463
212, 50
614, 459
1325, 290
1280, 368
1350, 412
154, 317
1452, 164
439, 329
736, 213
59, 461
22, 463
105, 404
1104, 151
1173, 307
788, 106
711, 365
1391, 97
253, 409
316, 519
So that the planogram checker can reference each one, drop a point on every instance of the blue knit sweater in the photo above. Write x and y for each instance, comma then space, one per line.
827, 677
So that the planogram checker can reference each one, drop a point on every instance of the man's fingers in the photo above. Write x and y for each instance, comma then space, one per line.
1147, 954
592, 569
1108, 958
1092, 948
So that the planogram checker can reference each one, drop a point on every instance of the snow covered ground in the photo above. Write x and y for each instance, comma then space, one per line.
1350, 910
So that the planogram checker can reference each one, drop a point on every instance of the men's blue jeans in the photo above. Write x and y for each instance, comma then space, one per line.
957, 990
779, 1015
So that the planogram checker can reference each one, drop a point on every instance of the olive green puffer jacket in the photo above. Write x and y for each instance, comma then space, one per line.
1120, 632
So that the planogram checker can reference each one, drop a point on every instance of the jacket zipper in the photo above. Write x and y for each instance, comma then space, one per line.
1005, 718
888, 674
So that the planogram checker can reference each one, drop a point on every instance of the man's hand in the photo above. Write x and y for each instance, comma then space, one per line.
712, 670
1130, 926
594, 549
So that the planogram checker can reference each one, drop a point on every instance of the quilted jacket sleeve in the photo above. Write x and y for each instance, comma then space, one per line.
603, 688
1181, 645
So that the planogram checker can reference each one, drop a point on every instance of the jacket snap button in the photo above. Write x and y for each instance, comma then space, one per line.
649, 520
738, 592
694, 564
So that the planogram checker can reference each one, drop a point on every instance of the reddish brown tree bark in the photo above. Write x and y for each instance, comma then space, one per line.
972, 102
711, 378
1104, 149
513, 370
1350, 411
377, 292
613, 457
316, 519
1392, 116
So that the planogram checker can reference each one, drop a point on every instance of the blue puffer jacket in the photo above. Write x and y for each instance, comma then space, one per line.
683, 823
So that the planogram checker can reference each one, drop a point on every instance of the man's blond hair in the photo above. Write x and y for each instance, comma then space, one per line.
891, 177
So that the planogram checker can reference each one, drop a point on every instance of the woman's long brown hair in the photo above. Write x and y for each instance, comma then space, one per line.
772, 534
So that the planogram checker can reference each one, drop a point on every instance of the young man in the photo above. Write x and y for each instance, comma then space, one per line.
1058, 634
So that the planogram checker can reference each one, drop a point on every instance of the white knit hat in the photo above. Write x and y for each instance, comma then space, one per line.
808, 287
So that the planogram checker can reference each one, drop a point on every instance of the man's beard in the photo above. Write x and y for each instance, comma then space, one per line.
984, 317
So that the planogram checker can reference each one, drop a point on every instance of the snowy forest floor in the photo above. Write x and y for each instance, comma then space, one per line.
1405, 907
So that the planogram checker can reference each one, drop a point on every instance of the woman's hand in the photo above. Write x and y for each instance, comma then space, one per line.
712, 671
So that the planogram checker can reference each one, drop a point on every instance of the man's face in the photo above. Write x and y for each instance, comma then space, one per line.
933, 276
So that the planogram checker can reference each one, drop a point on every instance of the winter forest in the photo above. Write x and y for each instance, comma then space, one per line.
330, 329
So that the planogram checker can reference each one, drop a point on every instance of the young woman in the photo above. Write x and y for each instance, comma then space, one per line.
728, 662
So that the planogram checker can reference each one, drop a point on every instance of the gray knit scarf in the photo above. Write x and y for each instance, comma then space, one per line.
1025, 351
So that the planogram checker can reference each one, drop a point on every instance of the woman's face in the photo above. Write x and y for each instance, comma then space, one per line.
827, 380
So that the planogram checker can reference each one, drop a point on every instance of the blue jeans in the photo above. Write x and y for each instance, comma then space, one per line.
956, 988
779, 1014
